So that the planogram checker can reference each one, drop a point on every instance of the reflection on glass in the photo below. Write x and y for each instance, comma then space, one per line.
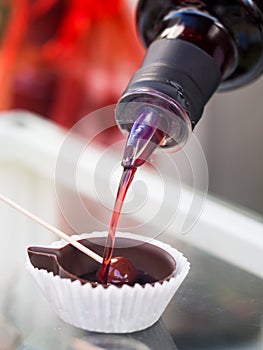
154, 338
108, 343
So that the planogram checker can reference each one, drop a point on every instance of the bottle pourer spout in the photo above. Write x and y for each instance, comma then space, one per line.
145, 136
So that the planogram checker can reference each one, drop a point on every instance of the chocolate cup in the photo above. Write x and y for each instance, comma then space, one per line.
69, 262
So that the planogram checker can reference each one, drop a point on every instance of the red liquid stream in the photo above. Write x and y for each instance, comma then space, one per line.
126, 180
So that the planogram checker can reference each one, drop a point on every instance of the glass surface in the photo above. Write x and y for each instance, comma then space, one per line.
218, 307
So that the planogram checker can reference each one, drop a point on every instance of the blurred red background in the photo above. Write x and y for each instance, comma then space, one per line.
63, 59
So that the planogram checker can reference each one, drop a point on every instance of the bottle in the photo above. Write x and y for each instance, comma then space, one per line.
194, 48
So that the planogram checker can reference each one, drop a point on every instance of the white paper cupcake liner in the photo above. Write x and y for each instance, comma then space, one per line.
112, 309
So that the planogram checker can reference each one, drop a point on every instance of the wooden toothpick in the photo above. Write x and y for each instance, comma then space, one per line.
53, 229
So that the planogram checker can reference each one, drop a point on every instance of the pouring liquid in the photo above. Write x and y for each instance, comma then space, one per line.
125, 182
143, 139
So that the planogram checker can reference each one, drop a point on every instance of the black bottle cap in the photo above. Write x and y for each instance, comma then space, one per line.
179, 70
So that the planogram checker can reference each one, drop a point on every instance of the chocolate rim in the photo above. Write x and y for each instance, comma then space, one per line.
50, 259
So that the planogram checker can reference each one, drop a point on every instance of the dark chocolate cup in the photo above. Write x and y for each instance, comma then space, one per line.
153, 263
113, 309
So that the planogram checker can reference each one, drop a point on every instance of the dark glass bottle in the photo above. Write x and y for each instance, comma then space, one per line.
194, 48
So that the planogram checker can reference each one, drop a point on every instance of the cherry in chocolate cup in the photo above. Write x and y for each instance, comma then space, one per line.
67, 278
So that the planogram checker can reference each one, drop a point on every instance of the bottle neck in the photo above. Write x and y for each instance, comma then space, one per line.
194, 47
205, 32
238, 23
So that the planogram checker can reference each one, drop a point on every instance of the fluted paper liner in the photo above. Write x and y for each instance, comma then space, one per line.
113, 309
